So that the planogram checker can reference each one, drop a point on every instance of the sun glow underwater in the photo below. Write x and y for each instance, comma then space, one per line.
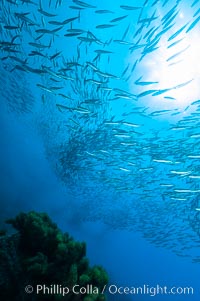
174, 69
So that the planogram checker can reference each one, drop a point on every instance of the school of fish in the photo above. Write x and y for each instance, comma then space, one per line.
115, 136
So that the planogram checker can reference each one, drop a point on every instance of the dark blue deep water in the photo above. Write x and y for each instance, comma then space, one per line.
99, 127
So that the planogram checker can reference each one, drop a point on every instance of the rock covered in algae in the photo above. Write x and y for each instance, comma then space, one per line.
40, 255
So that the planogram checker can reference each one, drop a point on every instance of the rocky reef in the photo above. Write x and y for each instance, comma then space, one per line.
40, 262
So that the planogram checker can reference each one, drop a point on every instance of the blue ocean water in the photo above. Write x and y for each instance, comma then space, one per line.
100, 129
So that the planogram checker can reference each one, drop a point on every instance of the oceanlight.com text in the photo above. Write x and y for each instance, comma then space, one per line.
150, 290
